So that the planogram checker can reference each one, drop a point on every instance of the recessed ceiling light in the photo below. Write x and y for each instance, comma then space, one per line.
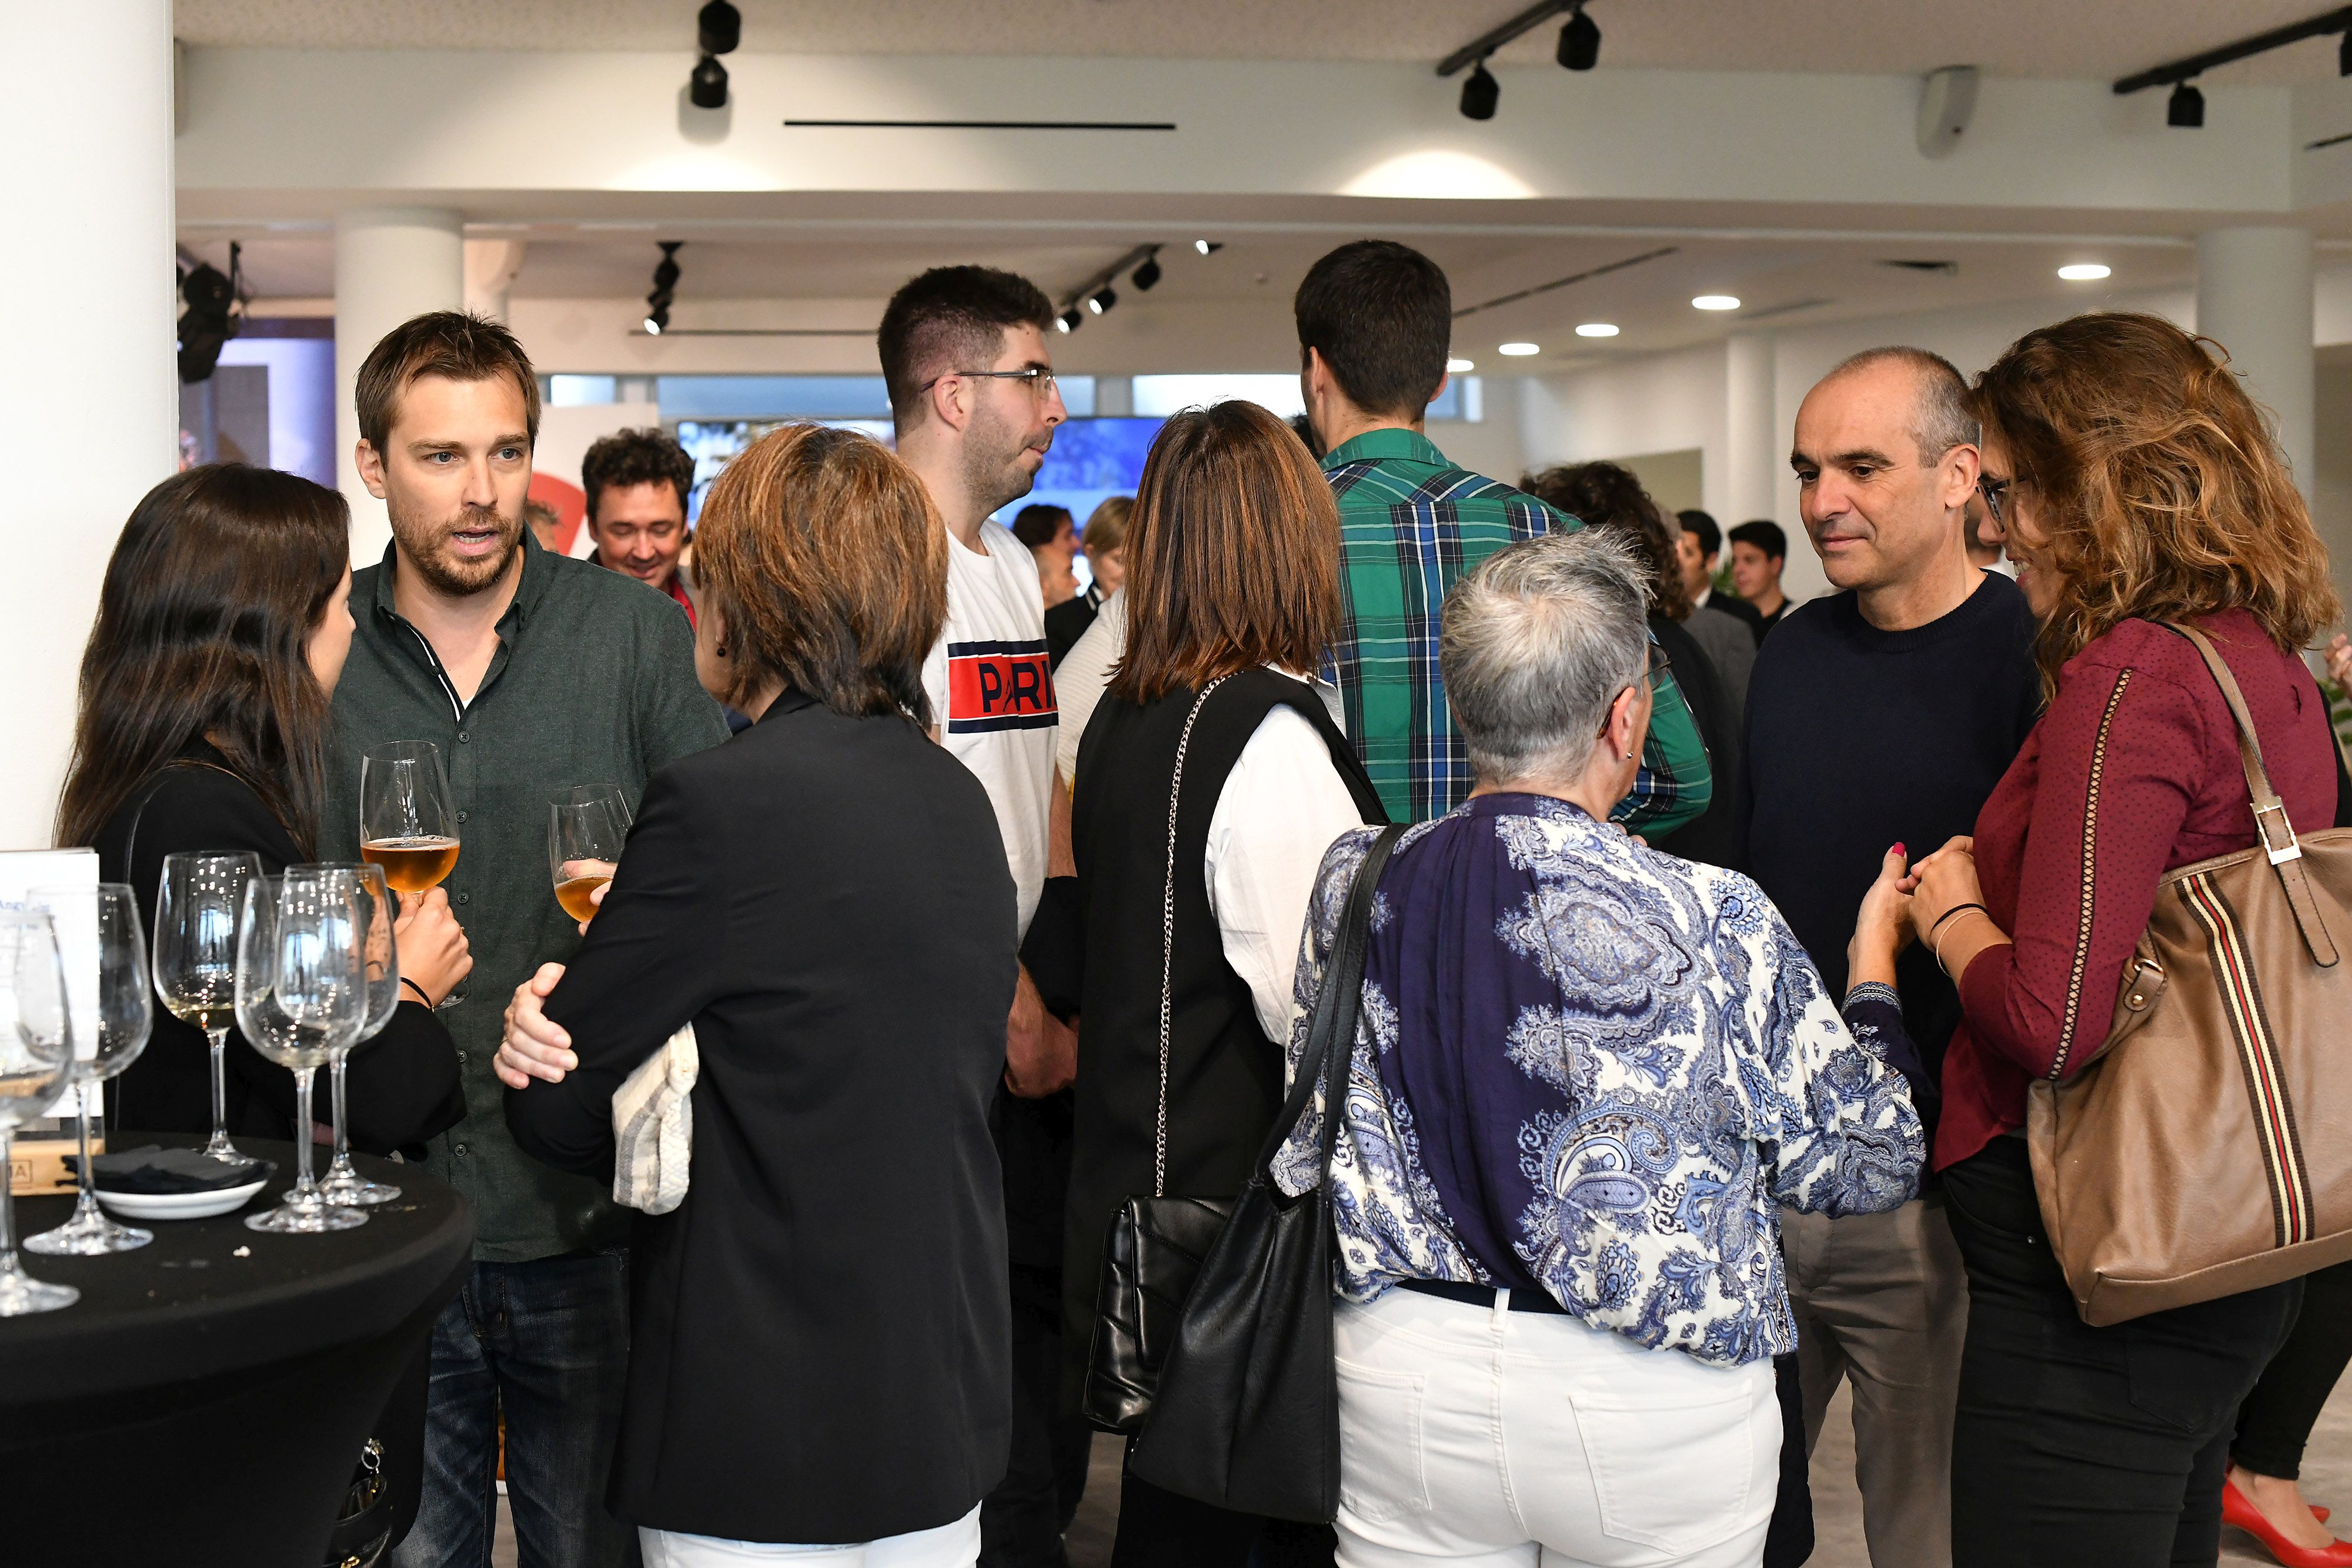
1460, 367
2087, 271
1716, 302
1517, 351
1597, 330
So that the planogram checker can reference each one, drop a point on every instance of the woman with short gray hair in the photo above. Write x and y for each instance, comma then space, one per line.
1585, 1077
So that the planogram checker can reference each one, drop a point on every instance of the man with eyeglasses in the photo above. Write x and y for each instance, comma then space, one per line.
1884, 715
972, 397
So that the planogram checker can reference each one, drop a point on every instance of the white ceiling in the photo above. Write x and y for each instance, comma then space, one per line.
2098, 39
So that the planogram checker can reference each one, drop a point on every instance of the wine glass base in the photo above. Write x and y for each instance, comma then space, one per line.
21, 1295
229, 1154
307, 1219
356, 1191
89, 1235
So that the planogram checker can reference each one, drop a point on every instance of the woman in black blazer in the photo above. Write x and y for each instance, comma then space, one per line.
221, 631
819, 1351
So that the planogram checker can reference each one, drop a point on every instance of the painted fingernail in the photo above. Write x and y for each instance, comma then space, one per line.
1895, 851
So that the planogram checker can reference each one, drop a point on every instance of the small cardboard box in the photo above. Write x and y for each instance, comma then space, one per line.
37, 1163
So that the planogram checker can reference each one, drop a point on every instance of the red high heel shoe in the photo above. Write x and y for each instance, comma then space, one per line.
2237, 1509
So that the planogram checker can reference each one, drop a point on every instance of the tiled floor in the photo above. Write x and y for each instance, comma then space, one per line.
1837, 1507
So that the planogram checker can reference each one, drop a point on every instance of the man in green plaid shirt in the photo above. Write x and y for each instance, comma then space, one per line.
1375, 321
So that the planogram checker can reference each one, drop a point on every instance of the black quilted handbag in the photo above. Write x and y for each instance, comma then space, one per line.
1248, 1412
1156, 1242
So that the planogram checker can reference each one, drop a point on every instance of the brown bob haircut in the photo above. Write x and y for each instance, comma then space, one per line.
1604, 496
829, 564
1232, 554
203, 635
452, 344
2157, 480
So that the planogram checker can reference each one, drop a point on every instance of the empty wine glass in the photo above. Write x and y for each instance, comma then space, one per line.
105, 958
585, 830
35, 1061
301, 996
342, 1182
195, 961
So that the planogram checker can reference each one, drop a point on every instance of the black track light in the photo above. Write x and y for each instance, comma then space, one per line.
206, 326
2186, 109
1146, 275
718, 27
1102, 299
707, 88
1579, 42
1208, 247
1069, 320
665, 288
2344, 56
1480, 93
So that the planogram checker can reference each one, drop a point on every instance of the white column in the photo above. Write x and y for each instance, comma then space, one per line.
2254, 298
391, 263
1756, 448
89, 194
491, 268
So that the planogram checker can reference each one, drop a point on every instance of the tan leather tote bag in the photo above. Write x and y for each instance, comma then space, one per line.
2207, 1148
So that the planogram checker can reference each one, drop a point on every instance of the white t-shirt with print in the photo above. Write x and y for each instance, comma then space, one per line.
991, 694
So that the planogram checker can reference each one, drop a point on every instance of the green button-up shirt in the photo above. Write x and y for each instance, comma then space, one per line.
593, 683
1410, 523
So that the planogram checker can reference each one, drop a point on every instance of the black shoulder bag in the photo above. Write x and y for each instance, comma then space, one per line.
1247, 1411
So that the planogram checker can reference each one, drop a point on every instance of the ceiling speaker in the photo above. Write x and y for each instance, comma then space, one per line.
1948, 101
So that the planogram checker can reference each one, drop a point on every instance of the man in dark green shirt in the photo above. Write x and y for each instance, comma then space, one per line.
532, 673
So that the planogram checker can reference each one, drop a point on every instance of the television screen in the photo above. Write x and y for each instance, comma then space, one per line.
1090, 461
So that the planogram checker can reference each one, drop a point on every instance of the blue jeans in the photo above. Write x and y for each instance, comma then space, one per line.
547, 1342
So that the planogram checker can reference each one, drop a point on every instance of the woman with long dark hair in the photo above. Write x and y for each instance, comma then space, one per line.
222, 626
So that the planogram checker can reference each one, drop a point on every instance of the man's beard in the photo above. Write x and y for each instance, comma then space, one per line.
992, 475
425, 545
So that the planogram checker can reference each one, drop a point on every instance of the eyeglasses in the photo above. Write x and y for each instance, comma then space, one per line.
1037, 378
1992, 490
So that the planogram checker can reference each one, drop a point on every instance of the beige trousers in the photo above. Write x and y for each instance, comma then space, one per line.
1883, 1300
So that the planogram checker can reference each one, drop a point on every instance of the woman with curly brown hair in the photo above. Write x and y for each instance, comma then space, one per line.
2140, 486
820, 1357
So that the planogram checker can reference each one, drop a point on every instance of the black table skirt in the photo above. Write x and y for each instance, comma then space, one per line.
198, 1406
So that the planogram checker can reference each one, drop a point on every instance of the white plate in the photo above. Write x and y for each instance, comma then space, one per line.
179, 1205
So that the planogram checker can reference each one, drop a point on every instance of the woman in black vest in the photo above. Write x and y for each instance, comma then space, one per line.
1211, 779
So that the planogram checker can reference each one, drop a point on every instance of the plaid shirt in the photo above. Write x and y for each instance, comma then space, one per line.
1409, 524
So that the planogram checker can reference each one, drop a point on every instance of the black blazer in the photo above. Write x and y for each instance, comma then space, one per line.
819, 1347
1713, 838
1067, 622
402, 1086
1739, 610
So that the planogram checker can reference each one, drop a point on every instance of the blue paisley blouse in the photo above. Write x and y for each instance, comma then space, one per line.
1589, 1069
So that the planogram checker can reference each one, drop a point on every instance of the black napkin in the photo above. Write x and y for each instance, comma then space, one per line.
156, 1169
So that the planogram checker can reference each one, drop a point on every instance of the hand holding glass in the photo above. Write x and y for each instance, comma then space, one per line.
301, 996
195, 961
100, 940
36, 1060
585, 830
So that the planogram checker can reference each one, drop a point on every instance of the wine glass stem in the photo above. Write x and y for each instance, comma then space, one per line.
303, 1187
218, 1039
88, 1202
335, 1078
7, 1200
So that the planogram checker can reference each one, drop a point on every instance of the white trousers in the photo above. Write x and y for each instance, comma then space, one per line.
1487, 1439
953, 1545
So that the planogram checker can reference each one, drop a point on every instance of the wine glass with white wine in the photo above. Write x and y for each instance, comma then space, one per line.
195, 961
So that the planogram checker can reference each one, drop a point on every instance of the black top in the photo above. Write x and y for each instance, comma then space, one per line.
819, 1346
1713, 838
1766, 623
1859, 739
1739, 610
1067, 621
402, 1086
1225, 1077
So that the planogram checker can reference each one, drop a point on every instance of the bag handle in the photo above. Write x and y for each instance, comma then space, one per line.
2285, 855
1167, 941
1331, 1032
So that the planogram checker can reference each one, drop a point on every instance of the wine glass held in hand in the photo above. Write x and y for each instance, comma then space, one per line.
99, 939
585, 830
35, 1061
406, 825
195, 961
301, 996
343, 1184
